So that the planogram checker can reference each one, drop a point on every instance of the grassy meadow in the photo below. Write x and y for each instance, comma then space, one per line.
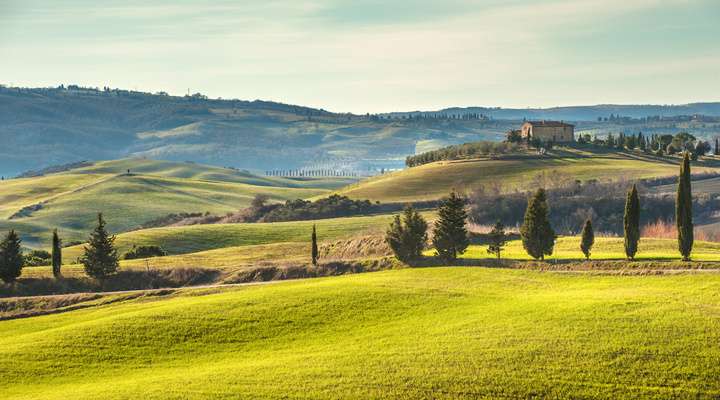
71, 200
412, 333
435, 180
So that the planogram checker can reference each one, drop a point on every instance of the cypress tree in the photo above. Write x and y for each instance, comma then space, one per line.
11, 257
537, 235
631, 222
588, 238
449, 235
497, 239
100, 257
56, 254
314, 249
683, 210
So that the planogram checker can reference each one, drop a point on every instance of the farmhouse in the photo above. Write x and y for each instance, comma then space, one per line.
546, 131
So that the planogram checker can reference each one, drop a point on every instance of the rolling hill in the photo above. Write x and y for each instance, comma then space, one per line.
70, 200
413, 333
70, 124
435, 180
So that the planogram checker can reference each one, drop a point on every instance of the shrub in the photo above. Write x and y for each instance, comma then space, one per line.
144, 252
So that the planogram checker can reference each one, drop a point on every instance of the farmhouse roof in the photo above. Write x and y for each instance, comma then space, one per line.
554, 124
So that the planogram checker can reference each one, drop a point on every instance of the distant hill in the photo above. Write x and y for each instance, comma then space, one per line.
70, 200
41, 127
435, 180
583, 113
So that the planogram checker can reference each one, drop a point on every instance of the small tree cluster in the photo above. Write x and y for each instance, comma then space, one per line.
407, 236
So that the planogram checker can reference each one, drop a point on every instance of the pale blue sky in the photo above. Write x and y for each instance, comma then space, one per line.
371, 56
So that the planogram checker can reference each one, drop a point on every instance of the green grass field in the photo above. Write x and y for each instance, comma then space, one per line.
568, 248
435, 180
194, 238
413, 333
71, 200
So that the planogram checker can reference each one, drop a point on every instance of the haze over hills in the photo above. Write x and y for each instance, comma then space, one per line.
71, 124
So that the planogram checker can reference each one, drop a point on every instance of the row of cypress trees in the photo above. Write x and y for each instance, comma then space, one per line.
407, 235
538, 237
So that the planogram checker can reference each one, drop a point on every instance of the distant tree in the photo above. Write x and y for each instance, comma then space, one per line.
11, 257
497, 239
56, 254
717, 147
314, 249
259, 201
450, 237
683, 210
588, 239
631, 222
100, 257
407, 237
537, 235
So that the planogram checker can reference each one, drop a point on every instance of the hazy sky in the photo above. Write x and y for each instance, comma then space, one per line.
372, 55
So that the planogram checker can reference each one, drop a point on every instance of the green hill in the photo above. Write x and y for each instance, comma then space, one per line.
435, 180
70, 200
442, 333
194, 238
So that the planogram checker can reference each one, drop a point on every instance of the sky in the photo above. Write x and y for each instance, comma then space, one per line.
371, 55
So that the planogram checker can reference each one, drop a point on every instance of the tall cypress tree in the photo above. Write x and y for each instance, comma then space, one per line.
683, 210
100, 258
537, 235
588, 238
631, 222
449, 235
314, 249
56, 254
11, 257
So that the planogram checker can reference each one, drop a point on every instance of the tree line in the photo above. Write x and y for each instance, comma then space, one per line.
99, 259
407, 234
460, 151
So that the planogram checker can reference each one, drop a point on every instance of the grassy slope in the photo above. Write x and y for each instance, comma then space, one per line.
415, 333
71, 200
194, 238
432, 181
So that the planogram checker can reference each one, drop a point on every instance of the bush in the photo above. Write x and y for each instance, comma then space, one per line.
144, 252
37, 257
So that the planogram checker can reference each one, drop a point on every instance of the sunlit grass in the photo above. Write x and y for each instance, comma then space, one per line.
445, 333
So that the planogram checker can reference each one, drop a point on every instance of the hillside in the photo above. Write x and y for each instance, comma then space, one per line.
414, 333
70, 200
71, 124
435, 180
68, 125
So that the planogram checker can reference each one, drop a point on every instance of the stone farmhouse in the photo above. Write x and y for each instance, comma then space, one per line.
548, 131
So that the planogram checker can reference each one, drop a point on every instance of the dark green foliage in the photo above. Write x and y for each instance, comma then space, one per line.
450, 237
334, 206
407, 237
11, 257
631, 222
56, 254
314, 249
497, 239
100, 258
144, 252
36, 258
467, 150
537, 235
683, 210
587, 239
